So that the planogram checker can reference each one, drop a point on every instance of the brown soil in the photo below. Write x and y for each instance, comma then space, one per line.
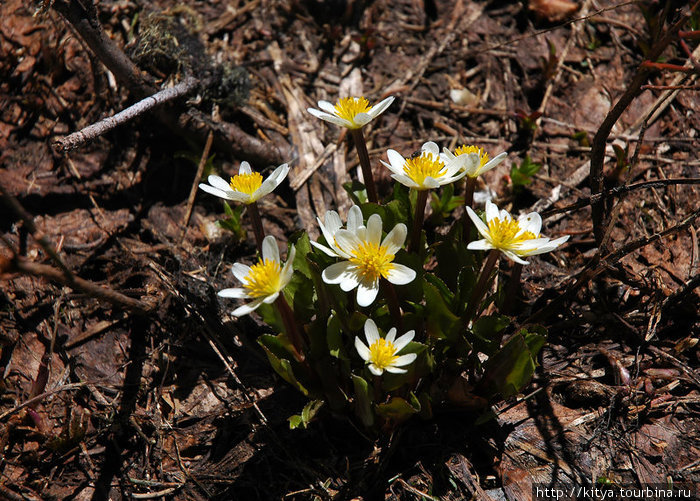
181, 404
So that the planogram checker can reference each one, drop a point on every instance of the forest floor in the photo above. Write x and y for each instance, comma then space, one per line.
99, 402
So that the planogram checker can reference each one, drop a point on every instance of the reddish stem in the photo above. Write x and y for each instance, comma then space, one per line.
361, 146
257, 224
291, 327
421, 201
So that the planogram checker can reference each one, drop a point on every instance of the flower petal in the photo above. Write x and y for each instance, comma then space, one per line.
288, 269
354, 218
396, 370
362, 350
347, 240
271, 298
396, 160
514, 257
491, 211
371, 332
492, 163
400, 274
247, 308
405, 359
361, 119
244, 168
403, 341
483, 244
240, 271
374, 229
367, 293
336, 272
270, 251
395, 239
432, 148
235, 293
216, 191
327, 251
375, 370
327, 107
379, 108
478, 223
218, 182
391, 335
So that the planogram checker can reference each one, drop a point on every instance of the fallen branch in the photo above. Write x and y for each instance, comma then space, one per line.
596, 180
89, 133
19, 264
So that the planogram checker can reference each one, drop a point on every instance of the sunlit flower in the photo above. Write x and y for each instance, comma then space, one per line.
516, 238
350, 112
247, 186
367, 258
475, 161
263, 281
382, 353
424, 171
332, 224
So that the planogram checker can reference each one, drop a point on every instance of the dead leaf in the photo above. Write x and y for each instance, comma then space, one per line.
553, 10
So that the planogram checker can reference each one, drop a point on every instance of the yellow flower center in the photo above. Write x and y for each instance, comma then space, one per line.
246, 183
418, 168
503, 233
382, 353
373, 261
348, 107
263, 279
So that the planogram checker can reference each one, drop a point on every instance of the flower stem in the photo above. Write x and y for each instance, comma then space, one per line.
468, 202
361, 146
481, 285
511, 299
393, 302
290, 325
418, 217
257, 224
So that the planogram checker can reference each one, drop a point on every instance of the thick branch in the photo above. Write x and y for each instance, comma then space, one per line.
105, 125
83, 17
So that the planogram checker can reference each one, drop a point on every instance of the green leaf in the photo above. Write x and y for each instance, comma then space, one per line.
356, 191
307, 415
488, 331
302, 244
334, 338
363, 401
398, 410
522, 175
441, 322
282, 366
512, 367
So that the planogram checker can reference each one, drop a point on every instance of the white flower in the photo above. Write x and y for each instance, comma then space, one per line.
514, 238
247, 186
332, 224
475, 161
367, 259
381, 353
425, 171
350, 112
263, 281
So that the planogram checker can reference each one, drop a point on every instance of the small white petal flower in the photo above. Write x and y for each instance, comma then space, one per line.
367, 258
350, 112
247, 186
425, 171
475, 161
514, 238
332, 224
381, 354
263, 281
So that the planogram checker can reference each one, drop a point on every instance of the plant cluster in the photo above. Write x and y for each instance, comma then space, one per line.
378, 328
